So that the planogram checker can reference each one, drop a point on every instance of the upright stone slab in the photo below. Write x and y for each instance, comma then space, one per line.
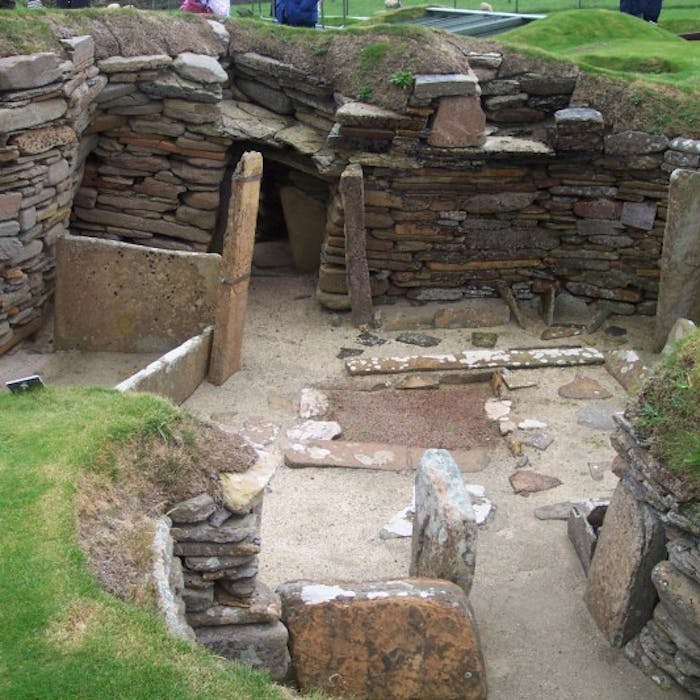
352, 193
305, 218
620, 595
237, 257
383, 640
679, 292
444, 527
126, 298
459, 123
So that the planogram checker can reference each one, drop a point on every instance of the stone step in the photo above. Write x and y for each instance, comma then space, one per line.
374, 455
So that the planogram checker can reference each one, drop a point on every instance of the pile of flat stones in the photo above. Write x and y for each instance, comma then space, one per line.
644, 581
230, 610
45, 104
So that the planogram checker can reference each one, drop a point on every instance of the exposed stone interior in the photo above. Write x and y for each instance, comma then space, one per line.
489, 175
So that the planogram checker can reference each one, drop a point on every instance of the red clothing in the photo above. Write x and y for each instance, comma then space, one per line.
195, 6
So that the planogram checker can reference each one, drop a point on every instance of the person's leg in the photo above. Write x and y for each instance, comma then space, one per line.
652, 10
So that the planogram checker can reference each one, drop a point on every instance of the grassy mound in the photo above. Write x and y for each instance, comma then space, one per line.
63, 635
616, 43
667, 411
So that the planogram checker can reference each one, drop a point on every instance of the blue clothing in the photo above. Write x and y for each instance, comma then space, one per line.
297, 13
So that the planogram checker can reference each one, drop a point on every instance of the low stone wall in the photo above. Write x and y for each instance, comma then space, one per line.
644, 581
215, 596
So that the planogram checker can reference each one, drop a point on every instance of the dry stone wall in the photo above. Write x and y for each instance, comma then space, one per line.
644, 583
489, 176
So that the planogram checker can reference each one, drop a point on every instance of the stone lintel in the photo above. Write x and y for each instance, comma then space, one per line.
431, 86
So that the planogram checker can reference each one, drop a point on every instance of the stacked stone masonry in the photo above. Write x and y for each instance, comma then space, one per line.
664, 640
486, 177
230, 611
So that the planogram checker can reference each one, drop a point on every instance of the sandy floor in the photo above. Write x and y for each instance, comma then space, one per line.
538, 640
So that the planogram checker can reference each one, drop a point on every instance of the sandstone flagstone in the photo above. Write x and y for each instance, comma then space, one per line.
619, 593
240, 491
384, 640
526, 481
583, 388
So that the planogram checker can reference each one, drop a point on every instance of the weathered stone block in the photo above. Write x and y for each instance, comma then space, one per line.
258, 646
33, 114
627, 143
385, 640
426, 87
25, 72
133, 64
193, 510
197, 66
639, 215
619, 594
119, 297
444, 538
459, 123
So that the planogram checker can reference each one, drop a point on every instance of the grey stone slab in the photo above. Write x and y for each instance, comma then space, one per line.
25, 72
444, 540
431, 86
640, 215
261, 646
679, 291
33, 114
199, 67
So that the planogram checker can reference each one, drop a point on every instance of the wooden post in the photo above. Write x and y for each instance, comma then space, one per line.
237, 255
353, 196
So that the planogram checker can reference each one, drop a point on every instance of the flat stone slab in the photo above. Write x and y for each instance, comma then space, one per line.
526, 481
314, 430
477, 359
626, 367
383, 640
583, 388
619, 594
372, 455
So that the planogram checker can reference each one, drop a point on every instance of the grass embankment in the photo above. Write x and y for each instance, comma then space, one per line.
667, 411
63, 635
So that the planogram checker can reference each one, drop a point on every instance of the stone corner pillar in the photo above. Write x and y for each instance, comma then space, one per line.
679, 291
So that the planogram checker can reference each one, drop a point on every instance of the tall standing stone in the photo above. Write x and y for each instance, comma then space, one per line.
620, 595
352, 193
237, 257
679, 293
444, 527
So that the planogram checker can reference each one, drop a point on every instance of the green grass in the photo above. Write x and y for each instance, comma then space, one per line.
615, 43
667, 411
62, 635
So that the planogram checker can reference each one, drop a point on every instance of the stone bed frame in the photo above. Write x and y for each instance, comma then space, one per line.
489, 179
413, 637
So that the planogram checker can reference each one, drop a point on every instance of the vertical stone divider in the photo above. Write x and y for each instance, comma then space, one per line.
239, 240
353, 196
679, 293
